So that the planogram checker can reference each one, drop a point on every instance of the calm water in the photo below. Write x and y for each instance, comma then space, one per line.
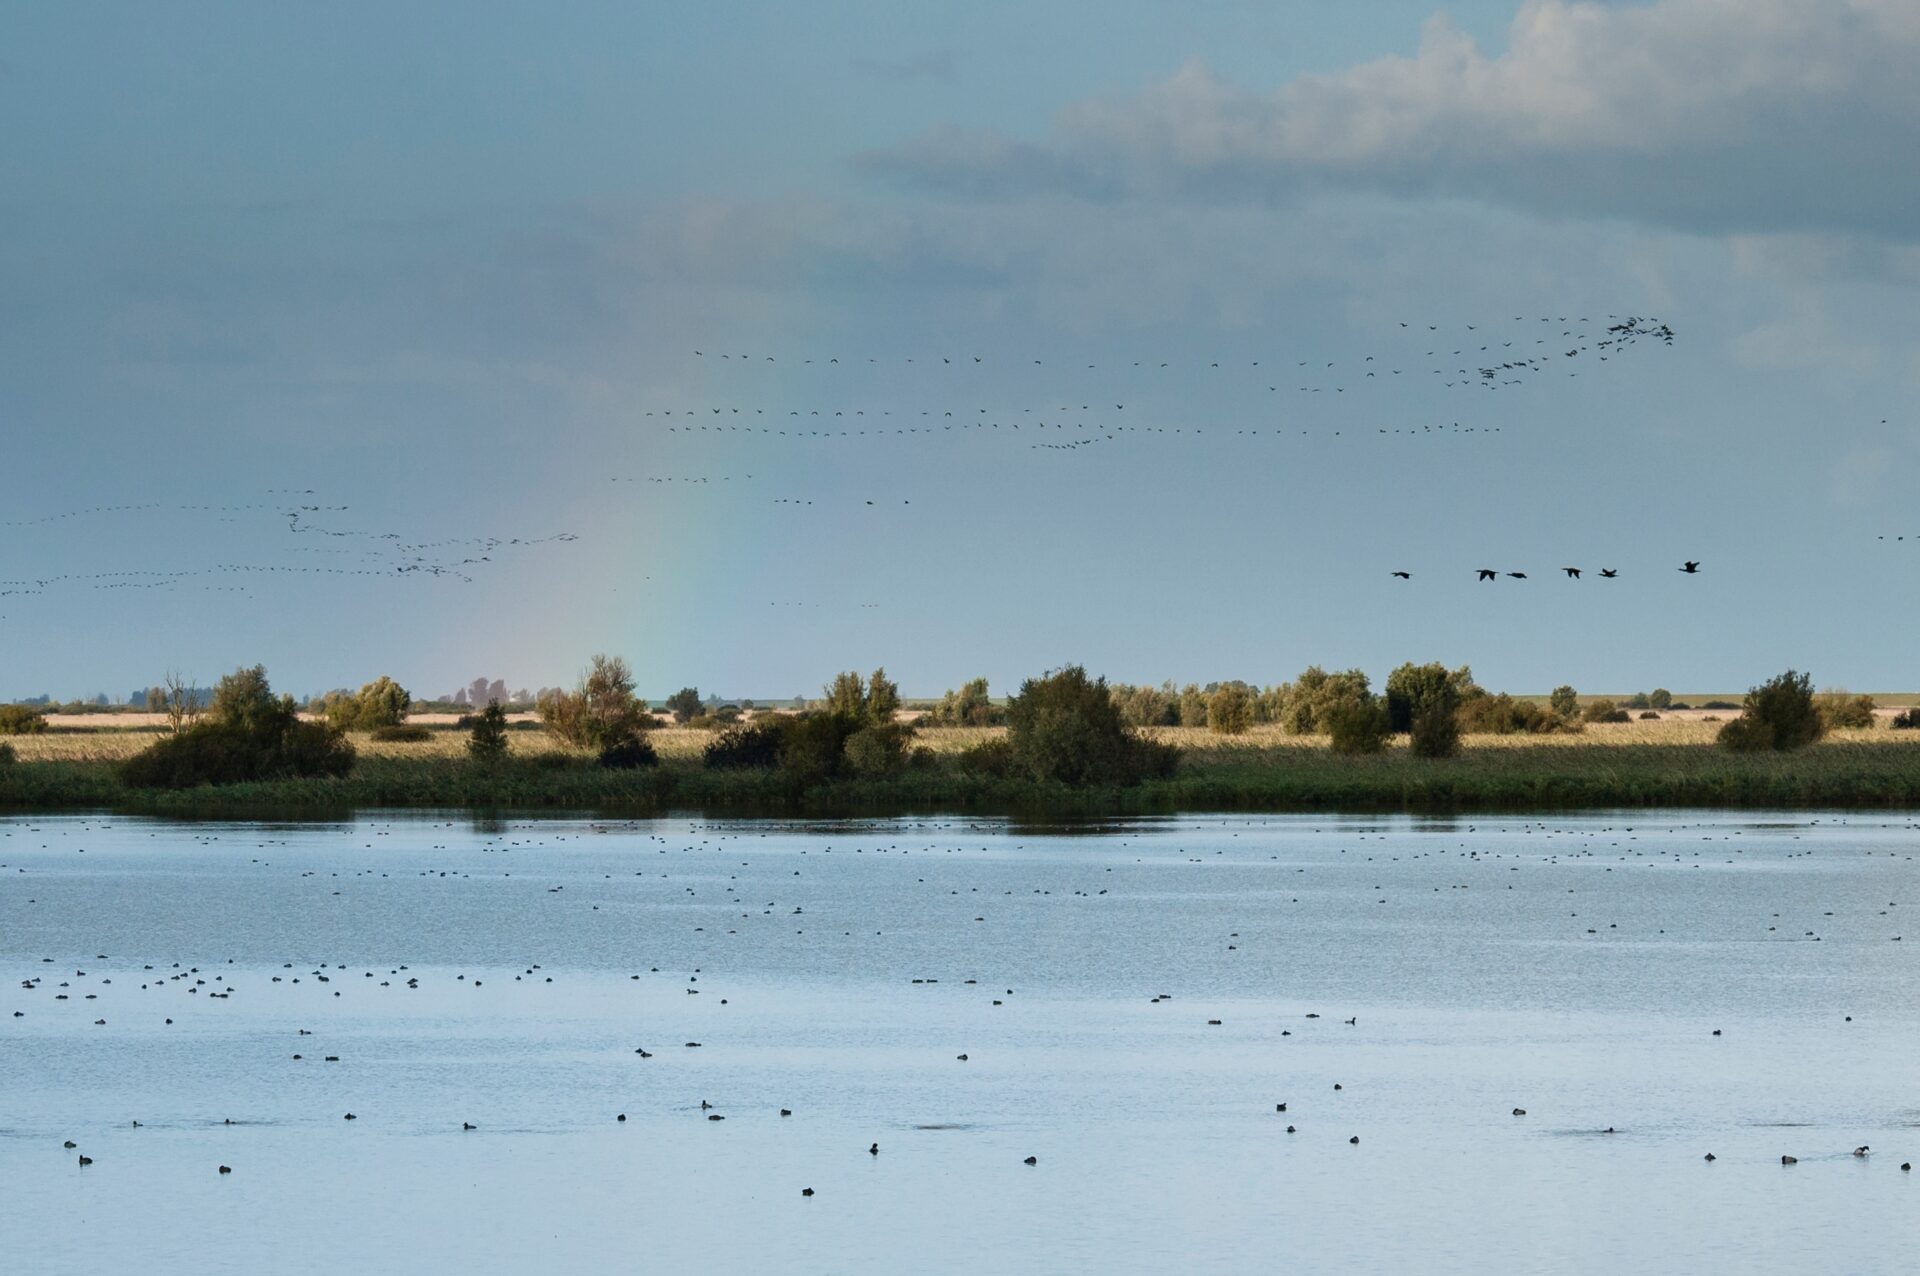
506, 976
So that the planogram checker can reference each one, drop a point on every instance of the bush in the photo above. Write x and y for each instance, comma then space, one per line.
1649, 716
1064, 728
1192, 706
18, 719
1838, 711
1145, 706
1302, 706
970, 707
1907, 720
1640, 700
1565, 701
1230, 709
874, 699
1660, 699
1435, 730
1779, 714
993, 758
1411, 688
1358, 726
755, 745
248, 734
487, 745
6, 755
380, 703
402, 734
877, 750
1604, 711
629, 754
1719, 704
601, 711
684, 704
1503, 715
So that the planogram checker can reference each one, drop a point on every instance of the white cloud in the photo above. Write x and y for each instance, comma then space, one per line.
1717, 115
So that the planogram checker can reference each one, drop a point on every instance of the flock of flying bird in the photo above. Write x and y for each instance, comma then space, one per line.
1690, 568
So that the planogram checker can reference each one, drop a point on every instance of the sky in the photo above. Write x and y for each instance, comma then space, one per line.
438, 273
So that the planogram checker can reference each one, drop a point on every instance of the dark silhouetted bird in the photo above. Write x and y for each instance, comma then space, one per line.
1608, 573
1487, 573
1691, 568
1518, 575
1572, 572
1404, 575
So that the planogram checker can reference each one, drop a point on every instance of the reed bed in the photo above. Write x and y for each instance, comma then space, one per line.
1665, 763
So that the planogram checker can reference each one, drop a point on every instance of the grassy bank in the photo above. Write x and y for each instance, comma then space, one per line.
1666, 763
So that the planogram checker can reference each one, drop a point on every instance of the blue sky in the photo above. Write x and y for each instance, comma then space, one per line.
446, 266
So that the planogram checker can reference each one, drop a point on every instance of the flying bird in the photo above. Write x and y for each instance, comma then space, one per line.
1691, 568
1608, 573
1404, 575
1573, 573
1518, 575
1487, 573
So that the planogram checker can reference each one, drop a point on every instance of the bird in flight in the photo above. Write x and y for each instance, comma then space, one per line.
1518, 575
1573, 573
1487, 573
1404, 575
1608, 573
1691, 568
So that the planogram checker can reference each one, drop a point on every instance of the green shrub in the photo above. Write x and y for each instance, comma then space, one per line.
877, 750
1565, 701
991, 758
1640, 700
1192, 706
874, 699
1064, 728
1660, 699
1145, 706
380, 703
18, 719
487, 744
1838, 710
1604, 711
971, 707
1719, 704
1358, 726
1435, 731
684, 704
1301, 706
1411, 688
629, 754
1649, 715
754, 745
402, 733
1907, 720
248, 734
813, 745
1230, 709
1503, 715
1779, 714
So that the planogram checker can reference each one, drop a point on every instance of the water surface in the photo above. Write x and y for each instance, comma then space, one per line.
1691, 982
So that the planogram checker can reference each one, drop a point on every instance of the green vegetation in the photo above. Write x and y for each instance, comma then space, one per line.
601, 712
1840, 711
1780, 714
18, 719
247, 735
1565, 702
684, 704
1358, 725
7, 755
969, 707
381, 703
401, 733
1064, 728
487, 741
1230, 709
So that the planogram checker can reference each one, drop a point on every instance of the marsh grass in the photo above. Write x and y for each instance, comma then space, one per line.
1670, 762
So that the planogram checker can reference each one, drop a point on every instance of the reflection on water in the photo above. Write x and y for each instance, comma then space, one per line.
1536, 1029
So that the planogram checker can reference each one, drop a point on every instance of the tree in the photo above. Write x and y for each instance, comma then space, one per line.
247, 734
1435, 731
846, 696
970, 706
1358, 725
1064, 728
380, 703
1778, 714
1565, 702
1411, 687
601, 711
1193, 706
487, 745
244, 699
1660, 699
684, 704
156, 700
883, 698
1230, 709
1302, 706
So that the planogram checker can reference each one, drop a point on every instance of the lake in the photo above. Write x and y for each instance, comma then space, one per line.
1536, 1029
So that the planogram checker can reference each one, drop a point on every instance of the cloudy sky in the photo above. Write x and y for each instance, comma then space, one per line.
442, 270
